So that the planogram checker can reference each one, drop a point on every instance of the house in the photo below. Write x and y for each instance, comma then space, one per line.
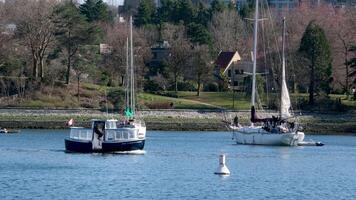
226, 65
160, 52
238, 72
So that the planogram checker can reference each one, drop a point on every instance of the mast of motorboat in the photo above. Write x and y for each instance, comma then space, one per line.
132, 71
253, 95
127, 74
284, 98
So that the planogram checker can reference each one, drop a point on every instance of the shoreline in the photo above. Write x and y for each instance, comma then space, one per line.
171, 120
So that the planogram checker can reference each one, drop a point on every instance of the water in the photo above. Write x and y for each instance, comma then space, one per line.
176, 165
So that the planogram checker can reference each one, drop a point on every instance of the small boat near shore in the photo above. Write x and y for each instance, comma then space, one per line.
106, 136
9, 131
310, 143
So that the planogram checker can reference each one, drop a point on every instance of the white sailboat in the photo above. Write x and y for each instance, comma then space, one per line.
275, 130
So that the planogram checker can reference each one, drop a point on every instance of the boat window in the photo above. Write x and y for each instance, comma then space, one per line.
110, 125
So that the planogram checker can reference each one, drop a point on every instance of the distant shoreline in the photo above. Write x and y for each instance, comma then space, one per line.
170, 120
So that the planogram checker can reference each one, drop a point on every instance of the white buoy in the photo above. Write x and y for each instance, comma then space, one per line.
222, 169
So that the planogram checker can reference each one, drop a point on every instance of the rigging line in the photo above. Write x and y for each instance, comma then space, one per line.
271, 47
265, 58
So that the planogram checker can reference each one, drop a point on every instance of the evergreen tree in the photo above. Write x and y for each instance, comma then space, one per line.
72, 31
315, 49
198, 34
164, 13
95, 10
246, 9
184, 10
202, 15
217, 6
145, 14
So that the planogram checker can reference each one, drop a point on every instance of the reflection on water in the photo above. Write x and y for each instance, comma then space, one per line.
176, 165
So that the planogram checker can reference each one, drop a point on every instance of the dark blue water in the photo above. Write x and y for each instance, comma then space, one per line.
177, 165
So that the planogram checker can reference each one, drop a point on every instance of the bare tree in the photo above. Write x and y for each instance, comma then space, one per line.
339, 26
201, 65
343, 37
229, 32
180, 51
35, 31
116, 61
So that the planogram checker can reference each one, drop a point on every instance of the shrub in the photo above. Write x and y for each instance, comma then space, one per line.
160, 105
211, 87
116, 96
151, 86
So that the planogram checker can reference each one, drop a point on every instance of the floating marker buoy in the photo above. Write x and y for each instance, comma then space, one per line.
222, 169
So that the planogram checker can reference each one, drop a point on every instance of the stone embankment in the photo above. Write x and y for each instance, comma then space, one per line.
180, 120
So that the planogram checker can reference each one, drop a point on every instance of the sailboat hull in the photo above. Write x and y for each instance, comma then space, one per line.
258, 136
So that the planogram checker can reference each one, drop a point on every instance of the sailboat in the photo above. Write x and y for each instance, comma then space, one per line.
112, 135
275, 130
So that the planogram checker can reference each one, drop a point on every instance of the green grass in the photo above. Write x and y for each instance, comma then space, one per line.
146, 99
220, 99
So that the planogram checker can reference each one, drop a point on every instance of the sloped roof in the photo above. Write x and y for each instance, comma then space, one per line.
226, 58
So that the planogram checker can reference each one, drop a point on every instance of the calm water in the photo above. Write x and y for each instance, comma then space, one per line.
177, 165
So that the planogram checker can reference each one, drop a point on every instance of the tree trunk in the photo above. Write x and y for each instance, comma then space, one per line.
347, 74
35, 69
78, 79
198, 89
311, 85
176, 82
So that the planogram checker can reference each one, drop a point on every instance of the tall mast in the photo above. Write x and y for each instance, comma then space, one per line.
253, 95
127, 84
132, 70
283, 64
285, 99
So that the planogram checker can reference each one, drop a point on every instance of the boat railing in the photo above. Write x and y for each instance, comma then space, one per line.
120, 134
81, 133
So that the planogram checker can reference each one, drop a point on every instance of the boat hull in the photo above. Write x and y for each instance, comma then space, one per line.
81, 146
260, 137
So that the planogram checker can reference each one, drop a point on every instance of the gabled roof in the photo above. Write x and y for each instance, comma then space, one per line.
226, 58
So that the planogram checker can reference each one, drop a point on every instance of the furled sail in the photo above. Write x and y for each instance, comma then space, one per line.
285, 100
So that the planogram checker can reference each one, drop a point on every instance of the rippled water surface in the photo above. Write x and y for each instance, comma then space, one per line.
176, 165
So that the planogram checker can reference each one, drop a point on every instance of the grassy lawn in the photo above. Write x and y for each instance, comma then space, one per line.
221, 99
151, 101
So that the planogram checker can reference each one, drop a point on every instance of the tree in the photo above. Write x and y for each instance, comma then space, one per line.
35, 31
198, 34
217, 6
145, 14
84, 64
228, 32
95, 10
343, 37
316, 50
247, 9
352, 64
72, 31
180, 52
201, 66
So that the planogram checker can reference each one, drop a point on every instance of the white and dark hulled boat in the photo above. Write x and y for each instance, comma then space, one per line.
112, 135
276, 130
106, 136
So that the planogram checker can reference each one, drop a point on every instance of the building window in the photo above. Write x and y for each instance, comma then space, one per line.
236, 83
236, 71
229, 73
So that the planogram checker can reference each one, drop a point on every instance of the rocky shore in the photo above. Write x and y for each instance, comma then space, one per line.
179, 120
